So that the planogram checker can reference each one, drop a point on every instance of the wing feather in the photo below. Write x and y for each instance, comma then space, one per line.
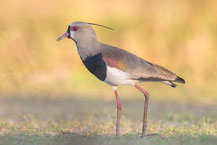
138, 68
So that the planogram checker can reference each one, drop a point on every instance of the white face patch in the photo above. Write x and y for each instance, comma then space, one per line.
116, 77
72, 34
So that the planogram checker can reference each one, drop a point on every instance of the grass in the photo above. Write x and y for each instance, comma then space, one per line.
37, 73
180, 35
104, 140
67, 120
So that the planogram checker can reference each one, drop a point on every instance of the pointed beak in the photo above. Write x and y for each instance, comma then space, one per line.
65, 35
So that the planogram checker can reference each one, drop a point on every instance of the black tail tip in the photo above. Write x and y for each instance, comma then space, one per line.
180, 80
173, 85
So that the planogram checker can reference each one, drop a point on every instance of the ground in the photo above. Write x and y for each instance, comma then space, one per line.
76, 120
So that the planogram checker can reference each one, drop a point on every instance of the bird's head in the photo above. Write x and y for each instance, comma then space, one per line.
81, 31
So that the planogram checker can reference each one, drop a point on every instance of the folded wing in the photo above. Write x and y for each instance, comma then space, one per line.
138, 68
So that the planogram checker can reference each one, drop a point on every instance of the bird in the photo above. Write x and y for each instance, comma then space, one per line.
115, 66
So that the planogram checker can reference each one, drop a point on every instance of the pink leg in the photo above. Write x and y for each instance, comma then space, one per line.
144, 125
118, 112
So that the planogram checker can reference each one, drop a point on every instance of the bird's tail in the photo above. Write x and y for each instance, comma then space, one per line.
180, 80
169, 83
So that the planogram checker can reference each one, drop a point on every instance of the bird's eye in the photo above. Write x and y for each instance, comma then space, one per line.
75, 28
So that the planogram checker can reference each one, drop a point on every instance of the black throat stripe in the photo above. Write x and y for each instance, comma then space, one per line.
96, 65
68, 31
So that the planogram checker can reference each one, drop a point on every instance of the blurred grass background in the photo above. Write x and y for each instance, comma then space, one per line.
45, 89
179, 35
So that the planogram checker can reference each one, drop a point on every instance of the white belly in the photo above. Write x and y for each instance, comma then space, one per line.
116, 77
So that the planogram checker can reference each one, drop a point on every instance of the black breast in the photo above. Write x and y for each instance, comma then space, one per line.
96, 66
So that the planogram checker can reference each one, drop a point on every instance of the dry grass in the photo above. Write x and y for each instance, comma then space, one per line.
44, 88
42, 120
180, 35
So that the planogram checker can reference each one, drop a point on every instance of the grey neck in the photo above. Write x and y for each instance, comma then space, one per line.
88, 49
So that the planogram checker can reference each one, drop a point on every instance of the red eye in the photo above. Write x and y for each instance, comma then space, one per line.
75, 28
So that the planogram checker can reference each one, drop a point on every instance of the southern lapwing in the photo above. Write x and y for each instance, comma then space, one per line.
116, 66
